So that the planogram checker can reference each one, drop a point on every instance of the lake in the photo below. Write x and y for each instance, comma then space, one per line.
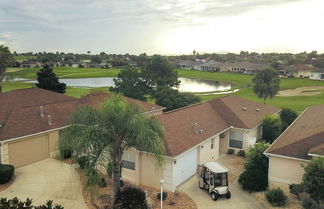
186, 85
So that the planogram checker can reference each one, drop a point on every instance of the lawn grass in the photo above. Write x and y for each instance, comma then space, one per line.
243, 82
64, 72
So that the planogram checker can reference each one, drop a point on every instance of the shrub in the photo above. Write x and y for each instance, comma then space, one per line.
255, 159
287, 116
164, 196
253, 180
309, 203
6, 173
296, 189
131, 198
15, 203
230, 151
271, 128
276, 197
65, 153
93, 179
102, 183
83, 162
241, 153
313, 179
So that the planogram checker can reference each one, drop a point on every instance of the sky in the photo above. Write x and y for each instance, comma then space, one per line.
168, 27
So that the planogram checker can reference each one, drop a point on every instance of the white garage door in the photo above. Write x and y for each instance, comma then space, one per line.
186, 166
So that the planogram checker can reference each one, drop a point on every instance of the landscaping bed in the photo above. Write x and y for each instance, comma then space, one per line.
292, 202
8, 184
100, 197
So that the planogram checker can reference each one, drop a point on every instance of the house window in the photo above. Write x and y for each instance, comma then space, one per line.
236, 139
212, 143
128, 160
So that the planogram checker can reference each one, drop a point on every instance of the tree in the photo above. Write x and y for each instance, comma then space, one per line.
159, 73
130, 83
104, 134
173, 99
287, 116
5, 59
271, 128
266, 84
48, 80
319, 62
313, 178
255, 159
194, 52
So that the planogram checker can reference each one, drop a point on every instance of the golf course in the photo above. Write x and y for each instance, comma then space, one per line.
312, 92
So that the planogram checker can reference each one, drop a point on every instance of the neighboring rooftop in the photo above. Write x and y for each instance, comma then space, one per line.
20, 112
201, 121
305, 136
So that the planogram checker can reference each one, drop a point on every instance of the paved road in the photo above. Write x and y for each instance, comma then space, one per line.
47, 180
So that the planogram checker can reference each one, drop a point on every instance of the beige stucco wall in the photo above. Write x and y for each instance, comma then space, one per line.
53, 143
146, 172
205, 153
5, 154
283, 171
223, 143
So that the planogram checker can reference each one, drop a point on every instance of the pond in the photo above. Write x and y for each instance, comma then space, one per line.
186, 85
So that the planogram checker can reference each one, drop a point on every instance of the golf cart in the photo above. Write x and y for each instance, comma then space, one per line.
213, 178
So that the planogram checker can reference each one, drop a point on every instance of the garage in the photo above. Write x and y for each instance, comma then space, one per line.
186, 166
28, 151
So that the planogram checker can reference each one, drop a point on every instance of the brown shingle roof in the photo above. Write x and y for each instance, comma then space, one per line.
306, 132
20, 110
317, 150
212, 117
28, 97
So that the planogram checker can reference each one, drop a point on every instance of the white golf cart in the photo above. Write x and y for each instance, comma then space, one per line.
213, 177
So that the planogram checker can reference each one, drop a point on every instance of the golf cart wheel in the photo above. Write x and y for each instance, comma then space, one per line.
228, 195
214, 196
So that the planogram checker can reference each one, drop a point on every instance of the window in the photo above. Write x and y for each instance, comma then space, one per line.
128, 160
212, 143
236, 139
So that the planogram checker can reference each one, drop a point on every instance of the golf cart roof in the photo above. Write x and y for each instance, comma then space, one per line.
216, 167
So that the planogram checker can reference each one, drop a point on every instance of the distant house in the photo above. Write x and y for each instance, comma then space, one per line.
186, 64
317, 75
210, 66
246, 67
30, 64
296, 146
303, 71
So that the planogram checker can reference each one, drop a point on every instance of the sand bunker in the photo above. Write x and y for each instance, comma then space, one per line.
302, 91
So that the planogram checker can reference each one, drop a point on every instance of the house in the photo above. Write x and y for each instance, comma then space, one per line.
317, 75
301, 70
246, 67
295, 147
186, 64
30, 64
31, 121
197, 134
210, 66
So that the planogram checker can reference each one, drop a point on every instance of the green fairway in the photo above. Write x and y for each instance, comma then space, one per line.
242, 82
64, 72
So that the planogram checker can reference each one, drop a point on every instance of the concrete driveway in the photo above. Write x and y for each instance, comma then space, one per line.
47, 180
239, 199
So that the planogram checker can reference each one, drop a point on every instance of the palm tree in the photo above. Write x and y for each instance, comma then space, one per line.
5, 59
104, 134
266, 84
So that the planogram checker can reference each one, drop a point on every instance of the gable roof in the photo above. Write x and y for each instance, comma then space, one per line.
20, 110
304, 136
211, 117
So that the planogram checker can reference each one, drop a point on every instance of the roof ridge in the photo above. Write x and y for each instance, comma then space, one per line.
220, 100
182, 108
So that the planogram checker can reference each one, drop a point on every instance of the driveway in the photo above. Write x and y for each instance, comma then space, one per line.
240, 199
45, 180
